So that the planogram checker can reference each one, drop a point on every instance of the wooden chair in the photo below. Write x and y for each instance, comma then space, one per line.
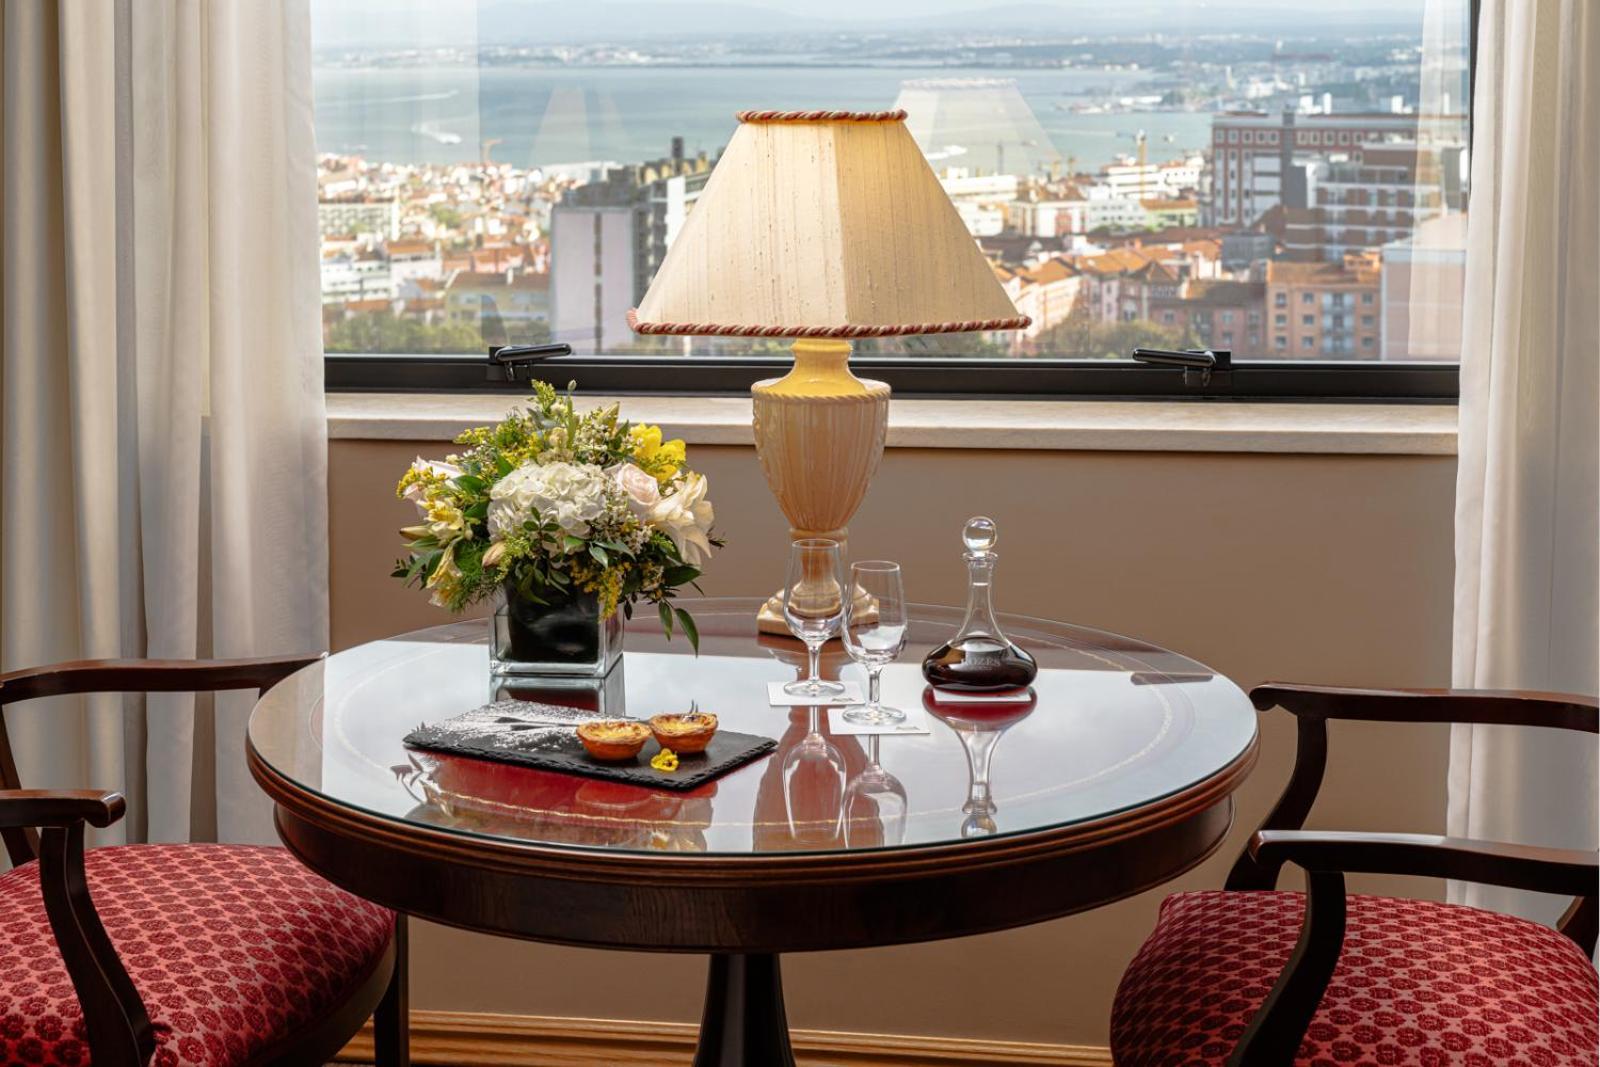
188, 955
1252, 977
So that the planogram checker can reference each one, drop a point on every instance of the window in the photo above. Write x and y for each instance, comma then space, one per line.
512, 177
1308, 320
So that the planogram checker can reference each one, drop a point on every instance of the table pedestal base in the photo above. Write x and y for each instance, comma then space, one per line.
743, 1023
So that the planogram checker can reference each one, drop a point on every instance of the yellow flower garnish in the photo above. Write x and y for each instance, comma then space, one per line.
665, 760
655, 456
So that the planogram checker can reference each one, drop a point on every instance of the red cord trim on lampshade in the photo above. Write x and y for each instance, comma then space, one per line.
897, 115
709, 329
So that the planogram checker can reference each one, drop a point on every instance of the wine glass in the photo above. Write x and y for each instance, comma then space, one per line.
813, 604
874, 797
875, 634
813, 786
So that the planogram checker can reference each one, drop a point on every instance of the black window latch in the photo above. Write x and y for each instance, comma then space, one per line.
514, 363
1199, 365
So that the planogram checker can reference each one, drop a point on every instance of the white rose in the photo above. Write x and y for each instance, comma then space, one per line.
640, 487
570, 494
686, 517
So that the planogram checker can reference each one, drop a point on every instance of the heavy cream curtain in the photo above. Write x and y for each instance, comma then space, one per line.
161, 411
1527, 508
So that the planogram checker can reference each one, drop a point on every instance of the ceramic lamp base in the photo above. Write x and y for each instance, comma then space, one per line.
819, 432
770, 620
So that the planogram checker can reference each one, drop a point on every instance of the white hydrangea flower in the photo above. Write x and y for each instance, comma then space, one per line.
570, 494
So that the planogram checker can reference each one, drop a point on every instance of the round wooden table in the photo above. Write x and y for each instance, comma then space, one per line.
1116, 776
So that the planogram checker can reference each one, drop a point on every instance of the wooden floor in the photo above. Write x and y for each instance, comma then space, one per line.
470, 1039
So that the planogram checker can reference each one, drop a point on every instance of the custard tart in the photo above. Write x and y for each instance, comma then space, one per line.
685, 734
613, 740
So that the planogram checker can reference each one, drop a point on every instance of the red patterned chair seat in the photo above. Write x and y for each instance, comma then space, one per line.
232, 947
1418, 983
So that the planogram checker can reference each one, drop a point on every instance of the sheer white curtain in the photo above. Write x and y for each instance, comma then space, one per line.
1527, 506
164, 485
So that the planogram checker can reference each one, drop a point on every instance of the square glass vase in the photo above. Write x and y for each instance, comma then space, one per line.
568, 639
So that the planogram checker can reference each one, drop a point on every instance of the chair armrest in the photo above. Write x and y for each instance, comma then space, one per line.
59, 807
1508, 707
149, 676
1545, 870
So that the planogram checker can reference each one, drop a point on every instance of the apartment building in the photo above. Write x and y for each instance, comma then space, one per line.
1324, 310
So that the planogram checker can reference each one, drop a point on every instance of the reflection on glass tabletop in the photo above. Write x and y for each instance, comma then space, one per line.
1112, 724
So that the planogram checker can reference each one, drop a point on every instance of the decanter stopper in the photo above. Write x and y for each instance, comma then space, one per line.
980, 535
980, 658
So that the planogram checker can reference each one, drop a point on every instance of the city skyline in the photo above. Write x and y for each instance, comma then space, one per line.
1282, 197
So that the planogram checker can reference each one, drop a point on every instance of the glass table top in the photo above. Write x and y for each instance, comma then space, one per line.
1113, 724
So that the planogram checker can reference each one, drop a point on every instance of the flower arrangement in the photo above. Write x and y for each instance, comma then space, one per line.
552, 505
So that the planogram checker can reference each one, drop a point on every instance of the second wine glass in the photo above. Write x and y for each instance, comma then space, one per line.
875, 633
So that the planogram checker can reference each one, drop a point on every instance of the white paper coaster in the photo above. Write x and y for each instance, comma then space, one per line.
915, 722
951, 696
779, 699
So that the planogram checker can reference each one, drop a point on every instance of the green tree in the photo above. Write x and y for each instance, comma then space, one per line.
446, 216
385, 332
1081, 337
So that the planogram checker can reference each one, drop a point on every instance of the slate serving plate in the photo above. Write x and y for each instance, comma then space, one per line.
545, 736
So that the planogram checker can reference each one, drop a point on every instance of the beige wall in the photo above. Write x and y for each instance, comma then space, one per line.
1331, 569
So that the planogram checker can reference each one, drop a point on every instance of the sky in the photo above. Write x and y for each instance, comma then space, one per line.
393, 23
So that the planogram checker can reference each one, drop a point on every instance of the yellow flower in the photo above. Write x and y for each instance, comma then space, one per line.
658, 457
665, 760
445, 580
445, 521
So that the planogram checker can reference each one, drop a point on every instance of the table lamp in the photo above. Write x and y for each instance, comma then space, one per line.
822, 227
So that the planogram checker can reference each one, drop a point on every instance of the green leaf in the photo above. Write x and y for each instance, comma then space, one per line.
470, 483
686, 621
664, 610
627, 609
598, 554
679, 575
572, 544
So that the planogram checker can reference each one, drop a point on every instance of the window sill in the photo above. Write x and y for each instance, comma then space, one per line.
1099, 425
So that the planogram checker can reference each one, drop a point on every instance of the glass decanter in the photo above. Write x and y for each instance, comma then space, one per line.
980, 658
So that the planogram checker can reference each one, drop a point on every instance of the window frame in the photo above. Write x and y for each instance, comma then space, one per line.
1314, 381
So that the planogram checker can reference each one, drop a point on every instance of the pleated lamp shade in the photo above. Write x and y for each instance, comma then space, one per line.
824, 224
